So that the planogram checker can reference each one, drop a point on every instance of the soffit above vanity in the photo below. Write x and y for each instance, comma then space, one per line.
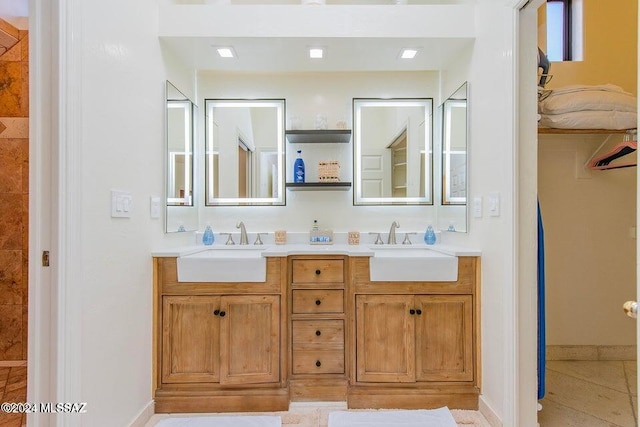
276, 38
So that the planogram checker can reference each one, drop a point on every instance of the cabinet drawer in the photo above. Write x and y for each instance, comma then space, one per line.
318, 271
318, 301
318, 333
318, 361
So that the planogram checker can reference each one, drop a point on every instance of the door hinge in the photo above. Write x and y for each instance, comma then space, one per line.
45, 258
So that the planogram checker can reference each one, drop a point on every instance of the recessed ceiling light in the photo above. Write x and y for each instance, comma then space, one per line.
408, 53
226, 52
316, 53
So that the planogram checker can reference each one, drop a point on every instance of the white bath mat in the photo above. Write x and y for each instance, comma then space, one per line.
223, 421
396, 418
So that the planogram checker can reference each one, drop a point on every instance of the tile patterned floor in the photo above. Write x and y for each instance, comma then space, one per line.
590, 394
13, 388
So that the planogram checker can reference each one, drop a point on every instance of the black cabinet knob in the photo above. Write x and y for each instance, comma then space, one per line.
318, 302
318, 333
412, 312
318, 364
418, 312
222, 314
216, 312
318, 272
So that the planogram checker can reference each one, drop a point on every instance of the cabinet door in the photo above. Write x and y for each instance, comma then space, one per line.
190, 339
444, 338
385, 338
250, 339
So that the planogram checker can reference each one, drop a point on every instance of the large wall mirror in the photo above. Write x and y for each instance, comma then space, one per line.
244, 158
453, 149
393, 151
181, 210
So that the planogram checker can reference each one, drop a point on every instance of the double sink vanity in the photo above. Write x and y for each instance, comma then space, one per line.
249, 327
254, 327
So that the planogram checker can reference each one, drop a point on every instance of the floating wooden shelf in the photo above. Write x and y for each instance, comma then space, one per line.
319, 136
579, 131
296, 186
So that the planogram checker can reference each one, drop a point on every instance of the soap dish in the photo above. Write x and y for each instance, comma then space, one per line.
321, 237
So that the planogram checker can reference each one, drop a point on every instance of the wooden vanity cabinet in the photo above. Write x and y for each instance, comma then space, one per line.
227, 339
218, 345
416, 343
411, 338
318, 362
318, 329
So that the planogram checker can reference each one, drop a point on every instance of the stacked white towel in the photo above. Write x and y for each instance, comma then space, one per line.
589, 107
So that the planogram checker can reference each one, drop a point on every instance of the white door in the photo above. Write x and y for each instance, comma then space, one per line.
55, 128
40, 309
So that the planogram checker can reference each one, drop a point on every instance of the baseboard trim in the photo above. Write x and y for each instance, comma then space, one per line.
12, 363
143, 416
487, 411
591, 352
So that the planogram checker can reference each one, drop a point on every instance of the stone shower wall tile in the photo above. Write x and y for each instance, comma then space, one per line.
14, 195
10, 277
11, 332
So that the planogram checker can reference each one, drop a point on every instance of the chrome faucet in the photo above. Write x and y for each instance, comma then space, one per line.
392, 233
243, 233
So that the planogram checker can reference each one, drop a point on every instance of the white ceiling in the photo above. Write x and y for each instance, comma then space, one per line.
271, 54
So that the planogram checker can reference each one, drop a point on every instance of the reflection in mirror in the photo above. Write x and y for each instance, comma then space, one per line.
453, 149
181, 211
244, 152
393, 151
180, 141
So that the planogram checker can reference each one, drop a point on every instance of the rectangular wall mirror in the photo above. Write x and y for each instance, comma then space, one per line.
453, 161
180, 148
181, 210
454, 148
244, 155
393, 151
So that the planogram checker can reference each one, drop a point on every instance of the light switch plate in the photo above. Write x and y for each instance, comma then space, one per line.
494, 204
477, 207
155, 207
121, 204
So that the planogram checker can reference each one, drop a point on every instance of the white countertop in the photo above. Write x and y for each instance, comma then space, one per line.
307, 249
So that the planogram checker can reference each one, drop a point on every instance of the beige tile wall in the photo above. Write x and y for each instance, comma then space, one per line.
14, 195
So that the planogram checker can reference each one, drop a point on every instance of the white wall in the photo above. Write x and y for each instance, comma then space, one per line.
591, 254
122, 104
491, 169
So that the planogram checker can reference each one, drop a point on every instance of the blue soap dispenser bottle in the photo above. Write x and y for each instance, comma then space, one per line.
207, 237
430, 236
298, 169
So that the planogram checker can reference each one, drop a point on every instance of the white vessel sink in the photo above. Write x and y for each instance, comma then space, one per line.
224, 264
411, 264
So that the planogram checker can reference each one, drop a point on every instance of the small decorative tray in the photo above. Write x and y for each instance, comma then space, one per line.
321, 237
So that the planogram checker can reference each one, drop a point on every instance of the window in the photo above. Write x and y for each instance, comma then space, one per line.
564, 30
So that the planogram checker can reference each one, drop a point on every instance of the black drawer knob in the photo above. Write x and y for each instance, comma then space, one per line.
412, 312
318, 364
318, 272
418, 312
318, 302
318, 333
216, 312
222, 313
